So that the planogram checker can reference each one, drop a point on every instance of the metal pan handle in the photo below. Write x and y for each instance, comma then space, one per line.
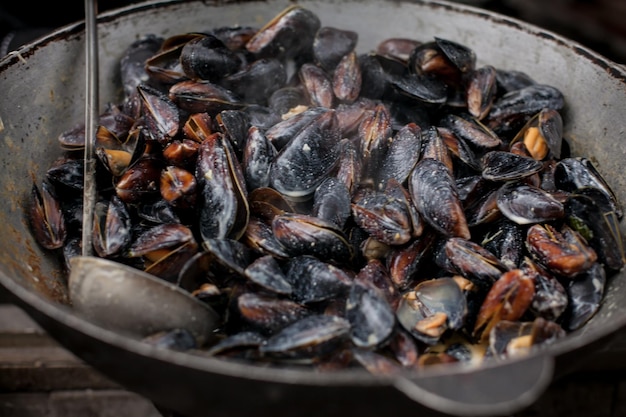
502, 389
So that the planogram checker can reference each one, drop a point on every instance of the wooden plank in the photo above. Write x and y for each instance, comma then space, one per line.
79, 403
14, 320
30, 360
43, 375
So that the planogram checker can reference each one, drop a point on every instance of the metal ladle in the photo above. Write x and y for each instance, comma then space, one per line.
108, 293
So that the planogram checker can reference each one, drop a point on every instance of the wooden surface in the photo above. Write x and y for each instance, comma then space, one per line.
38, 378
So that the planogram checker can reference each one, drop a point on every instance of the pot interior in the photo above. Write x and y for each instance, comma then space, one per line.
43, 87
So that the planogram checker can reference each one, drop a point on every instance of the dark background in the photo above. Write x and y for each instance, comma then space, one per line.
22, 20
597, 24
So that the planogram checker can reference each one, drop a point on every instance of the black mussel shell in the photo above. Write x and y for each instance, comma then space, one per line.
436, 198
305, 161
371, 317
266, 272
527, 204
585, 294
310, 337
313, 280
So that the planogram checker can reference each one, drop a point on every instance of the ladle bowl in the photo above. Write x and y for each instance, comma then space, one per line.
136, 303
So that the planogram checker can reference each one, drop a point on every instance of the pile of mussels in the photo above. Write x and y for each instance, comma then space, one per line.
391, 209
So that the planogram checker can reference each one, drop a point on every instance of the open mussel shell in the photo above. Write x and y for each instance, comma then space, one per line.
515, 108
463, 57
266, 203
508, 299
406, 262
117, 155
229, 255
431, 308
515, 338
161, 115
140, 182
562, 251
317, 84
471, 131
471, 260
223, 205
46, 216
481, 91
283, 131
419, 88
164, 67
597, 227
260, 236
573, 174
111, 227
67, 174
542, 135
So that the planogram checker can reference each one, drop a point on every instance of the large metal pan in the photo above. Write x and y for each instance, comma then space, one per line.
42, 93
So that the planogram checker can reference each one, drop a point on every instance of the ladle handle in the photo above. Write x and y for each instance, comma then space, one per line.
497, 390
91, 118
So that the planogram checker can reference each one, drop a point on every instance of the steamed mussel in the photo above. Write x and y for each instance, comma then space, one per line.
389, 210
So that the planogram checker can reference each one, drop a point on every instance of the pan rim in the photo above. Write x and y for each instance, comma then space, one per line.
64, 315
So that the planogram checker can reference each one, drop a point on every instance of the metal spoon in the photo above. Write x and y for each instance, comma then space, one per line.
113, 295
133, 302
